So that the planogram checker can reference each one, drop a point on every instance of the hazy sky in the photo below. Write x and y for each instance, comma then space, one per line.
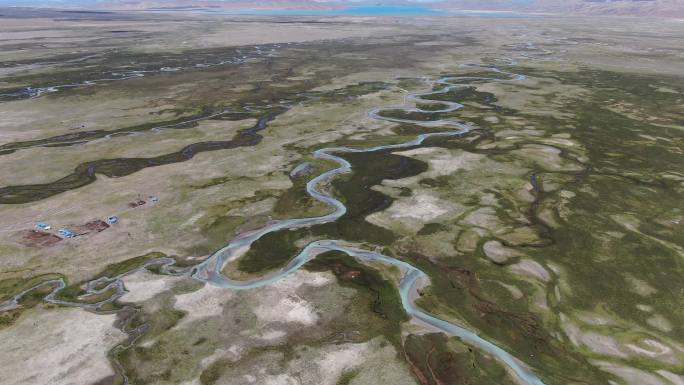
56, 3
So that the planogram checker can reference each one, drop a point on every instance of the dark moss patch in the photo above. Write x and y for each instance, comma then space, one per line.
84, 173
463, 95
13, 286
431, 106
79, 137
115, 269
212, 374
434, 362
347, 377
295, 201
72, 292
274, 249
220, 229
432, 228
137, 359
349, 92
381, 294
413, 115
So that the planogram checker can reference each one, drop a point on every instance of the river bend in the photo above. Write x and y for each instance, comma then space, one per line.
210, 270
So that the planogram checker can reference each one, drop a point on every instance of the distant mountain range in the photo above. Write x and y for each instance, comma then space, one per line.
662, 8
656, 8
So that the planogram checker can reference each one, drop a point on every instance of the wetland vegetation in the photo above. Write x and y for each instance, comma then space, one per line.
552, 229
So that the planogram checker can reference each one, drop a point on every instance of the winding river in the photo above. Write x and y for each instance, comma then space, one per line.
210, 270
239, 56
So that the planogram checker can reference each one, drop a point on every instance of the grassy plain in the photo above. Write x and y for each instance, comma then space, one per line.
553, 230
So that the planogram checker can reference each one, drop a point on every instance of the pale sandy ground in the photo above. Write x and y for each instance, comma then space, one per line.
160, 226
497, 252
410, 214
44, 117
60, 161
376, 364
144, 285
514, 290
280, 308
443, 161
633, 376
594, 336
176, 35
248, 33
65, 346
547, 157
69, 346
280, 302
205, 302
373, 361
485, 218
289, 306
532, 269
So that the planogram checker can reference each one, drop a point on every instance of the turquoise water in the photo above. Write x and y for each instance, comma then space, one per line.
373, 10
379, 10
210, 270
351, 11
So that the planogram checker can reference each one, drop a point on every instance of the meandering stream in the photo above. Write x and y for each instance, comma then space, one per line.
210, 270
239, 56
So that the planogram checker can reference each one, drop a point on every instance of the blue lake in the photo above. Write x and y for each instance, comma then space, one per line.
380, 10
